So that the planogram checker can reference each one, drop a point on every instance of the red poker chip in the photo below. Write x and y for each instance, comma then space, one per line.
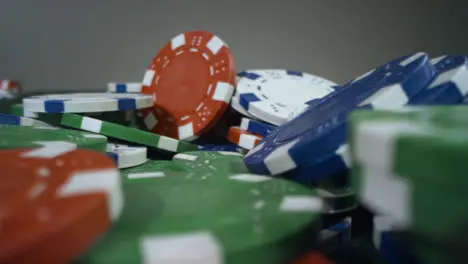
9, 89
314, 258
58, 207
192, 81
243, 138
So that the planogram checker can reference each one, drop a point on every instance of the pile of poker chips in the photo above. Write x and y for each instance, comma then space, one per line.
266, 155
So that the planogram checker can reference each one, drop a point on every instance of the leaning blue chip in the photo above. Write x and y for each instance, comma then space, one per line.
321, 128
450, 84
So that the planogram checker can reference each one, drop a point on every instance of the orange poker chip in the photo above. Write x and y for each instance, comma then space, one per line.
243, 138
64, 200
192, 80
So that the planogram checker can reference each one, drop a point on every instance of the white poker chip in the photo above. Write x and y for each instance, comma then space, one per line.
86, 102
126, 156
124, 87
272, 95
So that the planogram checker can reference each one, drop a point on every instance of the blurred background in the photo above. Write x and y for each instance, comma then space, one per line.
67, 46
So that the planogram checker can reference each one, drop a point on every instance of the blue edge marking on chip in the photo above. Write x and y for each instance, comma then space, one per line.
6, 119
320, 129
114, 157
318, 169
121, 88
393, 251
247, 98
446, 93
259, 128
343, 229
58, 106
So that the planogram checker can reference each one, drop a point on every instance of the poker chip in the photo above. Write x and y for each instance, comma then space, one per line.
335, 236
37, 136
409, 154
314, 258
334, 163
321, 129
129, 134
235, 104
86, 102
204, 186
127, 87
225, 147
65, 200
344, 230
256, 127
337, 200
271, 95
6, 119
126, 118
126, 156
242, 138
336, 192
17, 109
51, 119
204, 165
449, 86
9, 89
387, 243
192, 80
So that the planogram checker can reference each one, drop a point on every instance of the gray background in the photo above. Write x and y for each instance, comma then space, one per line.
66, 46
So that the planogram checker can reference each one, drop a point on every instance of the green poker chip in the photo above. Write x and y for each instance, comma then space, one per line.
411, 165
205, 207
414, 130
30, 137
52, 119
221, 162
17, 109
126, 133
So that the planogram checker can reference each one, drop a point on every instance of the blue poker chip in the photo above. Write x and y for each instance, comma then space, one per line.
465, 100
226, 147
321, 128
332, 164
256, 127
7, 119
450, 84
